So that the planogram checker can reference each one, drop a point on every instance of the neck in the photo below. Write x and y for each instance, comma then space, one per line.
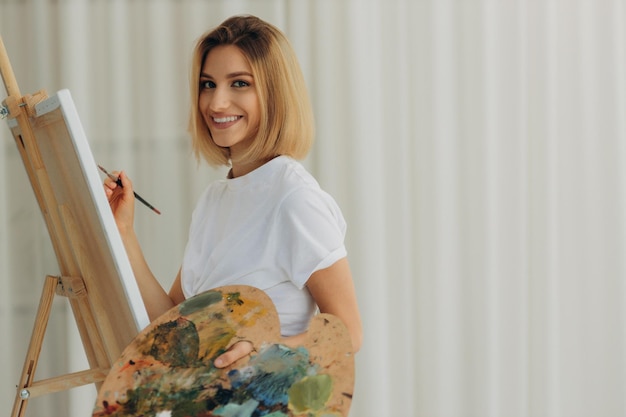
241, 169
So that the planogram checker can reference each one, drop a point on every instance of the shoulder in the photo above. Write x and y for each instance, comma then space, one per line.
304, 199
209, 191
292, 174
208, 199
299, 187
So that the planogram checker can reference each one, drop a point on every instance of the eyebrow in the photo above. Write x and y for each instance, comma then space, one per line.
231, 75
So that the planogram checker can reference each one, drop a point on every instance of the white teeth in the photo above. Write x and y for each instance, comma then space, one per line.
225, 119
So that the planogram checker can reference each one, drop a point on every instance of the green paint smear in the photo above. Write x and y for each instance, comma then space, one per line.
175, 343
237, 410
184, 407
148, 401
234, 298
310, 393
199, 302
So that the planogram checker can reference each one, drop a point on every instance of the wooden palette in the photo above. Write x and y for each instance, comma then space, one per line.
167, 370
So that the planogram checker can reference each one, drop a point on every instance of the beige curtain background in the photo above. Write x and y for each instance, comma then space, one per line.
477, 149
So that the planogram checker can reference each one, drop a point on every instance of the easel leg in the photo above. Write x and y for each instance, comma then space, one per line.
34, 348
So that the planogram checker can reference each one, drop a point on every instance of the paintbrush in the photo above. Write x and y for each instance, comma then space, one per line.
118, 181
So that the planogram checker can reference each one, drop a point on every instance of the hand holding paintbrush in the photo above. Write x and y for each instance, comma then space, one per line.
118, 181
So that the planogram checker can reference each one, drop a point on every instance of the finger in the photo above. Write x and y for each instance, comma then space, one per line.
110, 180
236, 352
109, 185
127, 184
124, 179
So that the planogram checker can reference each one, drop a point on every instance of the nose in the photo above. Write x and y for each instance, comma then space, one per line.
220, 99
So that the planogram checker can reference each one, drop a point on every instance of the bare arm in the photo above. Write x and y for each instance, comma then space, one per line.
333, 291
122, 202
176, 292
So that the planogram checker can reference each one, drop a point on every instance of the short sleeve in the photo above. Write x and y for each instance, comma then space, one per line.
311, 230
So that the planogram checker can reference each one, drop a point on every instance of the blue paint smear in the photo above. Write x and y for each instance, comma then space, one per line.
270, 374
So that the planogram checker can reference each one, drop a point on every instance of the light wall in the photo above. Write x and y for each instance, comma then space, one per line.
477, 149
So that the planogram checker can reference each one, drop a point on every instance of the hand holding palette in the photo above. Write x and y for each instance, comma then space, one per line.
167, 370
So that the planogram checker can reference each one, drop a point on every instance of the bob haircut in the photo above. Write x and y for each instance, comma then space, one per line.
287, 125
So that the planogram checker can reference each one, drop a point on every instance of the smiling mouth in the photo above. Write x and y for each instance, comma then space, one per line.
227, 119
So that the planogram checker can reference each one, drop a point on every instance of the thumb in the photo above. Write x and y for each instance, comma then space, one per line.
126, 184
232, 355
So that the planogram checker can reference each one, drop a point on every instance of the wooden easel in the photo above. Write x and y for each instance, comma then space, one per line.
102, 346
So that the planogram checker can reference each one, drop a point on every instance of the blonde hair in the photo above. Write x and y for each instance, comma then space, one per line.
286, 126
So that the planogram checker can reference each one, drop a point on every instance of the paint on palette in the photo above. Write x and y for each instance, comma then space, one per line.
270, 376
169, 370
200, 302
279, 381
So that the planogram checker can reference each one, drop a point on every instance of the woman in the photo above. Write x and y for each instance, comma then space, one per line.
268, 225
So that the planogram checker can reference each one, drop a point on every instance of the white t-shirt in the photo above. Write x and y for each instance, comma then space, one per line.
270, 229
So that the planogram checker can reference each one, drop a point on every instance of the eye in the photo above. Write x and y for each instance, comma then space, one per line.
240, 83
207, 84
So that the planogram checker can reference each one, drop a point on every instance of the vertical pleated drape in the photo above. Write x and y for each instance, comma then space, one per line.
477, 149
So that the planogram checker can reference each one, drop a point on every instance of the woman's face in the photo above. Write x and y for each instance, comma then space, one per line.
228, 100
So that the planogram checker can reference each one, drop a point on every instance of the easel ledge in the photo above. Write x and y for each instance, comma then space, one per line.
101, 343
